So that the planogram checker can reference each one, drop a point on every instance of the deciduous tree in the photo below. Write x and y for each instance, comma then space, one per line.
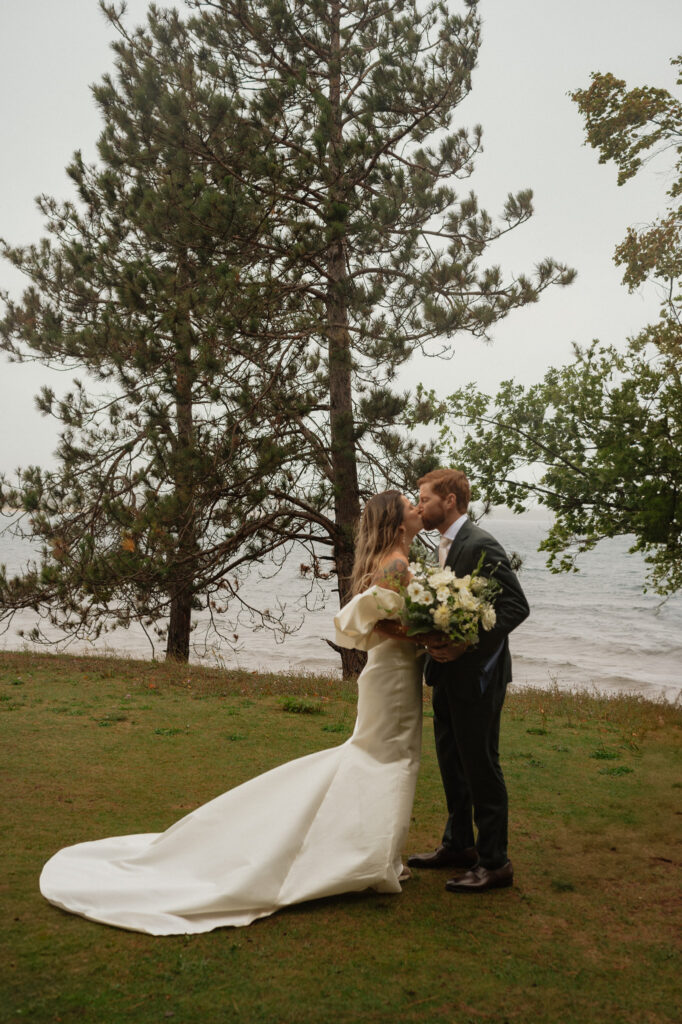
599, 441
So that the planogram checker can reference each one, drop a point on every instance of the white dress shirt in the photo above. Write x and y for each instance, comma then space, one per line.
447, 538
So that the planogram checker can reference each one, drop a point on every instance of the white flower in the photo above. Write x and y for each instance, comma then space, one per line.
418, 593
441, 577
462, 582
488, 616
466, 600
478, 584
441, 616
443, 594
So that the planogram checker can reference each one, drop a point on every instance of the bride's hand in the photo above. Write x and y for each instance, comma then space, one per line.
390, 627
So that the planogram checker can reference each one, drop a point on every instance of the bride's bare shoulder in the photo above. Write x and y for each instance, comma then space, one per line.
392, 572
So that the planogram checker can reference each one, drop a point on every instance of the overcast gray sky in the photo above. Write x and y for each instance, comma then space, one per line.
533, 53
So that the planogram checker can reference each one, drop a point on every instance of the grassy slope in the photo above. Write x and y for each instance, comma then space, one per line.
93, 747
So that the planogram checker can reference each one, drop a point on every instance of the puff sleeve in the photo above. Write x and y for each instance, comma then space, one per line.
355, 622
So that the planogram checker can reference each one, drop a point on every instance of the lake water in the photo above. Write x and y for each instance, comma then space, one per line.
596, 629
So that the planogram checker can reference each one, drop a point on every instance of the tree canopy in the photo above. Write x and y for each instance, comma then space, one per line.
599, 441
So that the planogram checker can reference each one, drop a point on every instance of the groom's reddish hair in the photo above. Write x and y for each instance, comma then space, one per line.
449, 481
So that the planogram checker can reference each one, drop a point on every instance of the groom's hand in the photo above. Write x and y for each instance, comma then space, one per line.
446, 651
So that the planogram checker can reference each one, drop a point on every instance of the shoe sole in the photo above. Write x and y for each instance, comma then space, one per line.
482, 888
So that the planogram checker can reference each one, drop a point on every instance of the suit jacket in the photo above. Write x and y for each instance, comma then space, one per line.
490, 660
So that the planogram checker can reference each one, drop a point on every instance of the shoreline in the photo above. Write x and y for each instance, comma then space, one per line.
297, 680
595, 630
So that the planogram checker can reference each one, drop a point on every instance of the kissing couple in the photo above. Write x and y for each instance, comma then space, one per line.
337, 821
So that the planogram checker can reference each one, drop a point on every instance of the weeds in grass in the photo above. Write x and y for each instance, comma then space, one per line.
301, 706
528, 759
559, 885
604, 754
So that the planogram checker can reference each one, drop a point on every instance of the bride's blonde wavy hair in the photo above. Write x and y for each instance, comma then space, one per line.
376, 536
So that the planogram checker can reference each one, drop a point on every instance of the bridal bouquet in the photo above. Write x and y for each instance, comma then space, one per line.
436, 599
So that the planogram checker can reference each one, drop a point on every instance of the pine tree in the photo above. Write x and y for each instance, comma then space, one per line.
279, 221
356, 100
153, 283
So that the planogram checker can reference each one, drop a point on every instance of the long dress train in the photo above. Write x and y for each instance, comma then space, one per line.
328, 823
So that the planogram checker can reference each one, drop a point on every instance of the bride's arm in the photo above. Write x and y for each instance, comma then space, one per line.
391, 627
436, 643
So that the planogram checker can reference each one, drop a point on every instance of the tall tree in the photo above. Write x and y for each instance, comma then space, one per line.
153, 283
599, 441
356, 100
278, 226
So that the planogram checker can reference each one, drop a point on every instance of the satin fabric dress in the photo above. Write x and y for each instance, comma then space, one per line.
328, 823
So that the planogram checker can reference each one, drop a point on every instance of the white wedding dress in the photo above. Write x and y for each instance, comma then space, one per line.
332, 822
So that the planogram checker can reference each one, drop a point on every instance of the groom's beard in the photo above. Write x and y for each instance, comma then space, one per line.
433, 522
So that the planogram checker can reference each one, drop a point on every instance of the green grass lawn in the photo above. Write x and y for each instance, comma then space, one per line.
589, 933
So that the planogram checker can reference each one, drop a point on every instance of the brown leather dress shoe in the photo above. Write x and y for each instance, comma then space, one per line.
480, 879
445, 857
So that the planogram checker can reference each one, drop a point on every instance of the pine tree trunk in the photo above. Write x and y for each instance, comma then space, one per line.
177, 644
342, 426
181, 587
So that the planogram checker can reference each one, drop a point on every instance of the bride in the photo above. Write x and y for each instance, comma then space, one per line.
328, 823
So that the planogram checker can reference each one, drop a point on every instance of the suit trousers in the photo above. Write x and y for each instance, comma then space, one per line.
467, 744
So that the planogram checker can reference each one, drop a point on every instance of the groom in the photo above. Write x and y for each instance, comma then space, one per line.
468, 692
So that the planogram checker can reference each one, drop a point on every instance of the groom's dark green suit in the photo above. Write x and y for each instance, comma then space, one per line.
468, 695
